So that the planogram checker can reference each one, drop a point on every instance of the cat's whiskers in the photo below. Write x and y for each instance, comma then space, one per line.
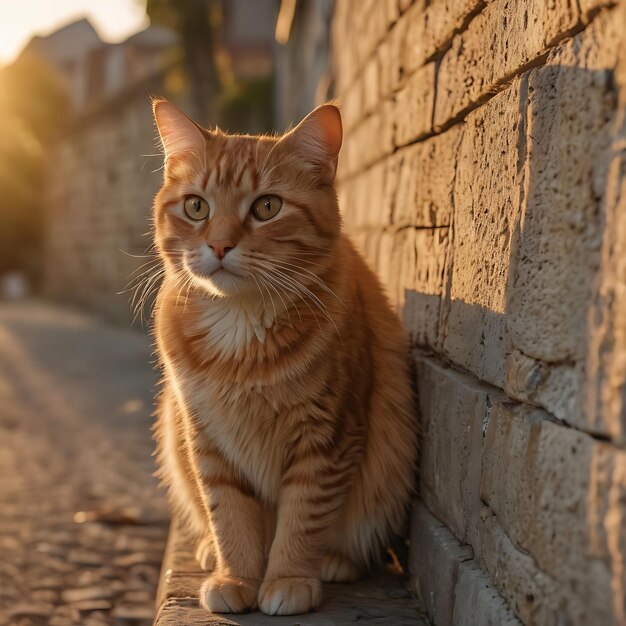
285, 307
285, 265
149, 287
264, 282
251, 275
283, 268
287, 282
304, 291
144, 285
135, 282
183, 281
321, 305
153, 261
148, 253
285, 289
304, 288
267, 278
134, 277
188, 285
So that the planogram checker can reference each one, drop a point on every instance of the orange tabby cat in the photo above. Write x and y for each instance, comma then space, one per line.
286, 427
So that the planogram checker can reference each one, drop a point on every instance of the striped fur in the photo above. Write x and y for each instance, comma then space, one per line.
286, 428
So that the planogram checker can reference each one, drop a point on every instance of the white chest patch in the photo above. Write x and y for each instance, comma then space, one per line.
231, 326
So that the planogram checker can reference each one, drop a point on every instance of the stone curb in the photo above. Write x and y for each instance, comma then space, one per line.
383, 600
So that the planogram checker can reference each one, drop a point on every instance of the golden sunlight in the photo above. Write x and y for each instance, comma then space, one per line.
19, 21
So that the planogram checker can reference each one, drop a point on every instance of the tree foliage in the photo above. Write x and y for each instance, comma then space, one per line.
33, 109
196, 22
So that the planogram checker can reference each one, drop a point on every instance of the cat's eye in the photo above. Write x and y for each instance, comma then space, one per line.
196, 208
266, 207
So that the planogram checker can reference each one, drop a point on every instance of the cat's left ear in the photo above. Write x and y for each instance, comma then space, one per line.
317, 139
180, 135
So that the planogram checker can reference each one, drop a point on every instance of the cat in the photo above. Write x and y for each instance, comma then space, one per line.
286, 428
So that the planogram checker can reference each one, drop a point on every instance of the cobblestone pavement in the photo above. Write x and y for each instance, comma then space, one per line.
82, 524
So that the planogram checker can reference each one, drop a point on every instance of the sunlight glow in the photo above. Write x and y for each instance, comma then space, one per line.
20, 20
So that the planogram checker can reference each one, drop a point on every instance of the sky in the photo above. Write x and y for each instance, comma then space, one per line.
21, 19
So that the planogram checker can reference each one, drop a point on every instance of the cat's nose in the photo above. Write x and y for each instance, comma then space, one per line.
221, 247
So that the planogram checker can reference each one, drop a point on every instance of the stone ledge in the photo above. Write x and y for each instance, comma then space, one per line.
382, 600
455, 591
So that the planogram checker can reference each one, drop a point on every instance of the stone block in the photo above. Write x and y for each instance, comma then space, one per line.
507, 277
368, 142
387, 68
371, 79
558, 497
405, 4
568, 158
485, 225
431, 28
414, 106
416, 268
606, 363
455, 410
348, 25
421, 284
453, 589
589, 8
559, 386
478, 602
537, 597
434, 561
352, 106
497, 44
393, 72
422, 194
562, 229
392, 12
363, 200
373, 30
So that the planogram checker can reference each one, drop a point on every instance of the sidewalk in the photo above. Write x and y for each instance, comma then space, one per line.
83, 526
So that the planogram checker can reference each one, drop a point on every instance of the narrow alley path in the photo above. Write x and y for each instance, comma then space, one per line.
82, 524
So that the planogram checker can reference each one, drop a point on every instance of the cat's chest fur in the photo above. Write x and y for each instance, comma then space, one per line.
252, 418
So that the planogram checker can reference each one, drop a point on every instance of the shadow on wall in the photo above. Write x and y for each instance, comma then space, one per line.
529, 301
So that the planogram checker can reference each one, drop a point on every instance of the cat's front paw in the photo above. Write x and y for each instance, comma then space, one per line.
228, 594
205, 553
337, 568
290, 596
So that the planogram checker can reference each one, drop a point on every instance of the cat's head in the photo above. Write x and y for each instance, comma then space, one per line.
239, 214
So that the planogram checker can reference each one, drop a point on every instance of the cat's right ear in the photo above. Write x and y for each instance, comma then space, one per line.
317, 140
180, 136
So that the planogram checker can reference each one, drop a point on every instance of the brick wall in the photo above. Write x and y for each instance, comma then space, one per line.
484, 176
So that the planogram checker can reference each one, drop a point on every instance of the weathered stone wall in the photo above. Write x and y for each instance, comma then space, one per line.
101, 183
484, 176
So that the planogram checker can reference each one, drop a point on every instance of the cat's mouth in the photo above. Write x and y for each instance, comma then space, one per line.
204, 273
220, 270
220, 280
